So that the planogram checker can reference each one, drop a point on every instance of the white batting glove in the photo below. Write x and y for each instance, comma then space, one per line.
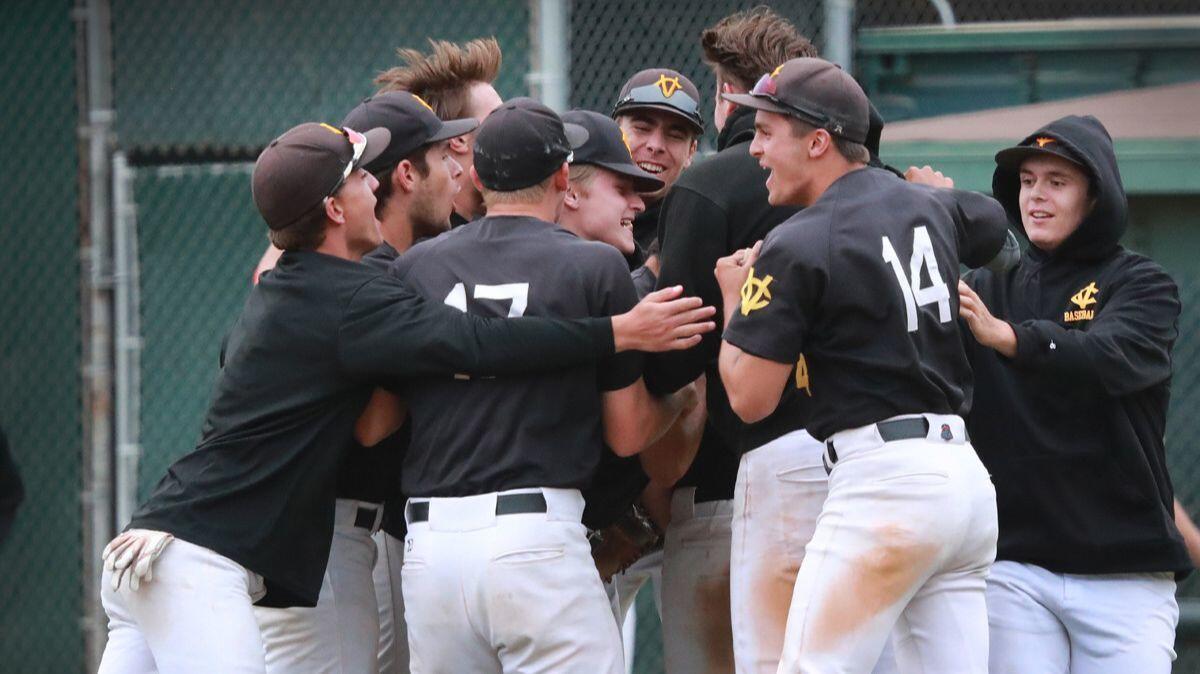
131, 556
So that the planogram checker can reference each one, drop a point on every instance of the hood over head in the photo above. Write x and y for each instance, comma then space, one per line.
1087, 142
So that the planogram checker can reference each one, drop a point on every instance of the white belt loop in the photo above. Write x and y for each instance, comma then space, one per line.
683, 504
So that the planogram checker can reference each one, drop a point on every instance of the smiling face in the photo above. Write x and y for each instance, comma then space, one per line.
1053, 200
661, 144
785, 155
602, 208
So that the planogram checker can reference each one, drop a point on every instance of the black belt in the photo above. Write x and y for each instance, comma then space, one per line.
506, 504
896, 429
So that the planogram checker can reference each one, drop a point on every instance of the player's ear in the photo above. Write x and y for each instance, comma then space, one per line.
334, 211
404, 177
562, 177
460, 145
573, 200
475, 180
691, 151
819, 142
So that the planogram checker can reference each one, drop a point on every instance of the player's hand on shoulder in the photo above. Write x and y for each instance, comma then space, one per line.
130, 557
926, 175
663, 321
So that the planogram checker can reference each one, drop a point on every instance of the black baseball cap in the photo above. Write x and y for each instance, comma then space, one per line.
521, 143
815, 91
1037, 144
295, 173
607, 148
411, 122
661, 89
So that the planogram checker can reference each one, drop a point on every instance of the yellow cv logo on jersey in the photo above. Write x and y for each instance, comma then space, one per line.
1083, 299
756, 293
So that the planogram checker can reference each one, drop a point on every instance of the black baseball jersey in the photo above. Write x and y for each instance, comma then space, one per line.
645, 227
862, 285
618, 481
314, 337
479, 435
373, 473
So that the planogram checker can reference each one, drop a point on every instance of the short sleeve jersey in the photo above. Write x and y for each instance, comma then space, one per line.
863, 284
478, 435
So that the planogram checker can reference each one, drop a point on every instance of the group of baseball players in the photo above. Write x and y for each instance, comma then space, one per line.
477, 396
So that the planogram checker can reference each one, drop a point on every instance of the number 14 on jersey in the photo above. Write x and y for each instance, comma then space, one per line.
910, 285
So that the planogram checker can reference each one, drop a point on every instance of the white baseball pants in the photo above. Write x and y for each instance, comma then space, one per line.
506, 593
195, 615
623, 589
1054, 623
697, 636
776, 500
393, 636
340, 635
904, 540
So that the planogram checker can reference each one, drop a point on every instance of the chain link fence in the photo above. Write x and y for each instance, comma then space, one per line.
40, 587
207, 82
211, 75
871, 13
610, 41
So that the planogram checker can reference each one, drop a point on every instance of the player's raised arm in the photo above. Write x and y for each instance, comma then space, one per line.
984, 239
754, 384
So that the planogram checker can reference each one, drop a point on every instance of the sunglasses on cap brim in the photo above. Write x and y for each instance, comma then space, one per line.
359, 143
652, 94
766, 88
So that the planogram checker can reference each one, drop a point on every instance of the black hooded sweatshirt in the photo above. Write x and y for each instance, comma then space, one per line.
1071, 428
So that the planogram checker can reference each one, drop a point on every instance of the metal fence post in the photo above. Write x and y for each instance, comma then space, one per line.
96, 118
127, 298
549, 78
838, 33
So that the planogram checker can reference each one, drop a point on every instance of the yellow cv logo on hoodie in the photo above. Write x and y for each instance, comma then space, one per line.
1083, 299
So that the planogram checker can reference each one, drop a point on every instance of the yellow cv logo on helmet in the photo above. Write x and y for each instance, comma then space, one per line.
668, 85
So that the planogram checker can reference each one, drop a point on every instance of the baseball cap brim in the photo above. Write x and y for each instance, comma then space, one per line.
1012, 158
758, 103
623, 109
377, 141
642, 180
453, 129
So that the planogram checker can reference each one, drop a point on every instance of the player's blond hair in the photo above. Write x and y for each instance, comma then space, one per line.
583, 174
443, 77
526, 195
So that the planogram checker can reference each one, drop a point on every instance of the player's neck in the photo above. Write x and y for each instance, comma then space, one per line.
335, 244
837, 168
543, 210
397, 230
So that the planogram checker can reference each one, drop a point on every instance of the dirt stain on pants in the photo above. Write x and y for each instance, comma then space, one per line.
874, 581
